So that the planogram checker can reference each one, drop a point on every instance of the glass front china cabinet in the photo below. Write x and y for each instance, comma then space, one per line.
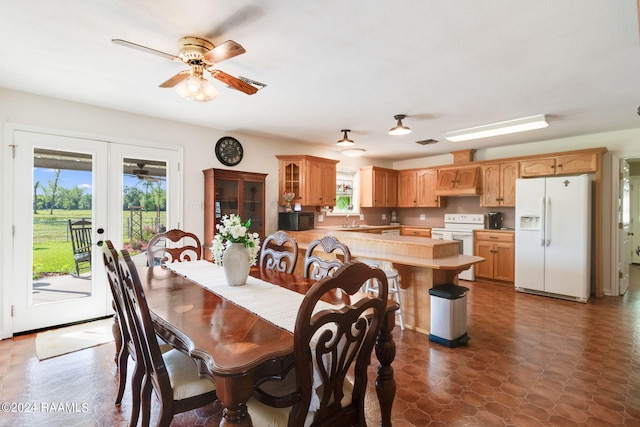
229, 192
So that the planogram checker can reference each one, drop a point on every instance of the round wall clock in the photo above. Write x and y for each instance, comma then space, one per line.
229, 151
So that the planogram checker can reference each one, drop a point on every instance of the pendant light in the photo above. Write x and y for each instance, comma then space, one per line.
399, 129
345, 141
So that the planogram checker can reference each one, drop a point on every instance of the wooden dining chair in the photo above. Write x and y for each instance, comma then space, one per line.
173, 376
316, 267
124, 344
163, 248
330, 343
279, 252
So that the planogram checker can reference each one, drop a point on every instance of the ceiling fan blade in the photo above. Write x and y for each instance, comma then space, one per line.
145, 49
233, 82
176, 79
223, 51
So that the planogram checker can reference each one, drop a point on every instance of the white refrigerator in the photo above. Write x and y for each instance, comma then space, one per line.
553, 229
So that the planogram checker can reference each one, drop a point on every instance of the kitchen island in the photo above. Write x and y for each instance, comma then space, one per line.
421, 262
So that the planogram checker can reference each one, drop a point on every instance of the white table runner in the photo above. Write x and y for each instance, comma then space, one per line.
273, 303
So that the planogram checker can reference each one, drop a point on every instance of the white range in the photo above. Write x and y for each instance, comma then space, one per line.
460, 227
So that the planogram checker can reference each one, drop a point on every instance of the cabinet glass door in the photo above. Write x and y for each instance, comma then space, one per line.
226, 198
253, 205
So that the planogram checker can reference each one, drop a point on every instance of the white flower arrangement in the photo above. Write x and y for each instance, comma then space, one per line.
232, 230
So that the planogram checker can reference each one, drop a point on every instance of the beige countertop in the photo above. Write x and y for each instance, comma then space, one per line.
407, 250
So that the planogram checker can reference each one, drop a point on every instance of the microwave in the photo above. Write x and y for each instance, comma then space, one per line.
295, 221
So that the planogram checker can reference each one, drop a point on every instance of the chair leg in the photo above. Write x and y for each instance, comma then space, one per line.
123, 357
145, 397
136, 393
396, 296
165, 417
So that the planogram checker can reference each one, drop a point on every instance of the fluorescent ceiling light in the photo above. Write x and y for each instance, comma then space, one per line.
500, 128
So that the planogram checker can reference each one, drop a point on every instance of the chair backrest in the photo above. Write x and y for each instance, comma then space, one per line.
142, 330
160, 251
316, 267
331, 341
279, 252
110, 258
80, 233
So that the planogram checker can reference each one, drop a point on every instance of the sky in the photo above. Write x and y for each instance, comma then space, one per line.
73, 178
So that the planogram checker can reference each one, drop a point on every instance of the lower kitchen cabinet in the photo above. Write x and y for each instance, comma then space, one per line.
498, 248
415, 231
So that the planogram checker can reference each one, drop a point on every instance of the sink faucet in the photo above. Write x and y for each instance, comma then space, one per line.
346, 221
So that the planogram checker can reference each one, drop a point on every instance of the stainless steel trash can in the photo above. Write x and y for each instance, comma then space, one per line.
449, 315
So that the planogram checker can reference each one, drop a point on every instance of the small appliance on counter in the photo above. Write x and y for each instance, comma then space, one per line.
495, 220
295, 221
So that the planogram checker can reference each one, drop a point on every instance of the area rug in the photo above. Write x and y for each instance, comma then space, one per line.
61, 341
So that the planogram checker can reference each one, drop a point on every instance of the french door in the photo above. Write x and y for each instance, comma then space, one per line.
114, 191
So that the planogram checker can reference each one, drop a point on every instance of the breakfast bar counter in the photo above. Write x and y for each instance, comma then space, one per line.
421, 262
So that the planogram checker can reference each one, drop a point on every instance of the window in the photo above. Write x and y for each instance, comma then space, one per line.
347, 194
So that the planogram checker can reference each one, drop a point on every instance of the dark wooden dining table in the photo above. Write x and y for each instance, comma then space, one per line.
235, 347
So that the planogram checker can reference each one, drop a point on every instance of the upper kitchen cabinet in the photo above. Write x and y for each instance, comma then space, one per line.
408, 188
416, 188
378, 187
560, 165
499, 184
312, 179
458, 181
229, 192
427, 181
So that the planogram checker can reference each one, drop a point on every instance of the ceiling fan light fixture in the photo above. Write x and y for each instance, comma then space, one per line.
500, 128
345, 141
207, 92
189, 87
399, 128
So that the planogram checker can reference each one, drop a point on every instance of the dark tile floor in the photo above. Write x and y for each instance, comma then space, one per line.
531, 361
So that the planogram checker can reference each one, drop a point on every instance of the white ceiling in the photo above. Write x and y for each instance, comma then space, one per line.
351, 64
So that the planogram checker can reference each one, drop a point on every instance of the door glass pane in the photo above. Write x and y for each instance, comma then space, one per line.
62, 225
144, 204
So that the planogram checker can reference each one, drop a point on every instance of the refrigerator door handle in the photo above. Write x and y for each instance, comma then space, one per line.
542, 221
547, 227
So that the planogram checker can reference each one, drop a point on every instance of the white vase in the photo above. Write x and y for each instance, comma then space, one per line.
236, 265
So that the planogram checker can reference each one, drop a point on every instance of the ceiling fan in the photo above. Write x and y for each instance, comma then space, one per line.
200, 55
143, 174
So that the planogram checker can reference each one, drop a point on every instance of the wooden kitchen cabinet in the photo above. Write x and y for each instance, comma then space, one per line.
560, 165
415, 231
499, 184
408, 188
229, 192
416, 188
312, 179
427, 181
378, 187
459, 181
498, 248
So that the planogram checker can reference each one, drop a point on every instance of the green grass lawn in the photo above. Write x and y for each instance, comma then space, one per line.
52, 257
52, 249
